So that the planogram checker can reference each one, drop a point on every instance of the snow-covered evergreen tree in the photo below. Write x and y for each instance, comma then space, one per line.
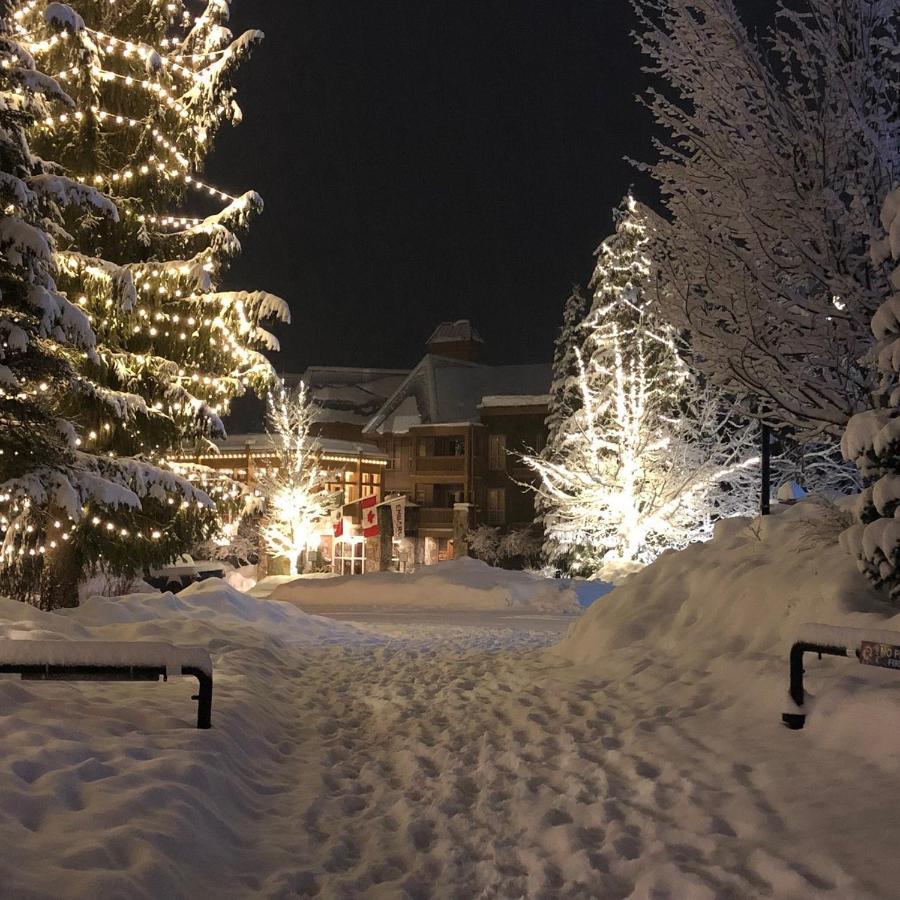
872, 438
60, 500
565, 397
779, 154
152, 84
296, 495
646, 458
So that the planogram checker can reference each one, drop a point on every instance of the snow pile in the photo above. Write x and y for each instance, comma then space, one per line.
457, 584
204, 606
243, 579
730, 609
109, 790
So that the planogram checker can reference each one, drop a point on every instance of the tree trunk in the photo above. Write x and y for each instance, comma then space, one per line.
61, 572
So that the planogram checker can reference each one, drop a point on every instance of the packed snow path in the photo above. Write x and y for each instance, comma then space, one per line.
430, 761
461, 765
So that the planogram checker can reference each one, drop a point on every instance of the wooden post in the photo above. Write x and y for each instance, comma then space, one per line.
765, 486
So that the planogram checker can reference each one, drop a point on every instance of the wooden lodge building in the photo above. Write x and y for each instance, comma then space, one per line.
436, 445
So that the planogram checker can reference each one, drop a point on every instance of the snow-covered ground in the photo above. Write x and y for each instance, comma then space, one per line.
460, 584
641, 757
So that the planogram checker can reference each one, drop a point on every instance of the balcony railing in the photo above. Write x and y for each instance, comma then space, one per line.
435, 518
440, 465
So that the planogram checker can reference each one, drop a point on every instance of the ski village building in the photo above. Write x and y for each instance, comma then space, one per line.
435, 447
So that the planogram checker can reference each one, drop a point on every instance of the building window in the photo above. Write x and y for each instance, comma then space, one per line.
349, 558
351, 488
497, 452
370, 483
496, 505
447, 445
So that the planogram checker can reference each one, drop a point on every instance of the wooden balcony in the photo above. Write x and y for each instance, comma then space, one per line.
431, 517
439, 465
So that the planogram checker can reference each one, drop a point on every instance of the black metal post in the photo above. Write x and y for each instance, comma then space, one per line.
765, 456
204, 696
795, 721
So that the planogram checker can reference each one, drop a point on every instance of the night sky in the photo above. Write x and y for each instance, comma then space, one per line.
423, 160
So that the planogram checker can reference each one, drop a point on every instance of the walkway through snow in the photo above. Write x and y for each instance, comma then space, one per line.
421, 761
450, 765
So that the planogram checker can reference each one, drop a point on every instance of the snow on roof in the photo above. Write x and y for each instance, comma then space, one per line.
451, 391
264, 443
451, 332
514, 400
349, 395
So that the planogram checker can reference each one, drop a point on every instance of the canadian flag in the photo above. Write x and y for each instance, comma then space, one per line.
369, 516
337, 523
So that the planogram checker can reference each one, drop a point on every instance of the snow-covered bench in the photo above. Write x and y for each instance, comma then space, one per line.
110, 661
870, 646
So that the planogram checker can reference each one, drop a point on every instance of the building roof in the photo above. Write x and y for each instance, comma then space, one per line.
490, 401
452, 332
441, 390
261, 442
348, 394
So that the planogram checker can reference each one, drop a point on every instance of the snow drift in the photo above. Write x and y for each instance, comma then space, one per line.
726, 612
458, 584
109, 790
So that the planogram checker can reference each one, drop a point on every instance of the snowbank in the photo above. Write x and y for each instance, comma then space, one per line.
458, 584
728, 610
109, 790
244, 578
212, 602
747, 590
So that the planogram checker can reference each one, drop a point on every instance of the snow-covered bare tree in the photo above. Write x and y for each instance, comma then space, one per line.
60, 501
872, 437
296, 495
647, 458
778, 155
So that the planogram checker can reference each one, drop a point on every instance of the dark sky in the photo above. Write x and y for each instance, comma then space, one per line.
424, 160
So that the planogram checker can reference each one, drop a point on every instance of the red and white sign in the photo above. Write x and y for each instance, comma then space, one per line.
337, 523
369, 516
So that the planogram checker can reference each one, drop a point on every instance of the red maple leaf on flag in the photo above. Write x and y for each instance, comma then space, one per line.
369, 516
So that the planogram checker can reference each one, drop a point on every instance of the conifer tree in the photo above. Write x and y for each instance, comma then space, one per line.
59, 499
565, 397
872, 438
152, 84
646, 458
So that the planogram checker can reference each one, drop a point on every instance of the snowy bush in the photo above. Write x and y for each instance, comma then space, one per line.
484, 543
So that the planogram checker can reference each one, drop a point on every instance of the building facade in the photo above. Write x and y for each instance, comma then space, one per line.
436, 445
